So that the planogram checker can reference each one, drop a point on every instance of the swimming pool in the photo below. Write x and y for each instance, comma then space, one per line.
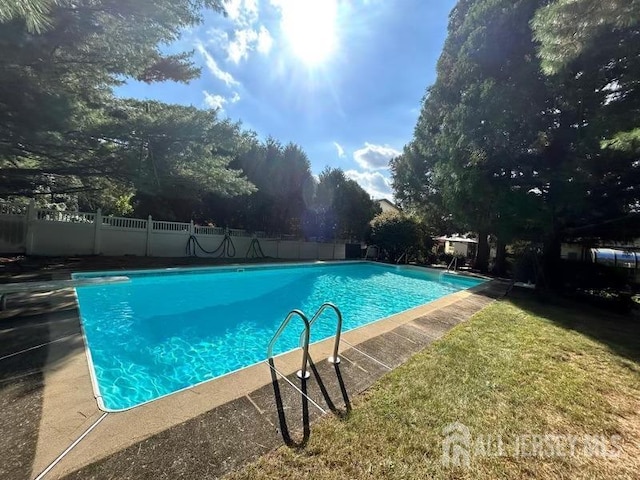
168, 330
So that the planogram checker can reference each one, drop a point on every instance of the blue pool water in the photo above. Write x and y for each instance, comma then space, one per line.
169, 330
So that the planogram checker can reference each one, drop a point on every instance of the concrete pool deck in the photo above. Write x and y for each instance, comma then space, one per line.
201, 432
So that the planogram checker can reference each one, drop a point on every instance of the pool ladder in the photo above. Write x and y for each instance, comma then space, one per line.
303, 373
453, 263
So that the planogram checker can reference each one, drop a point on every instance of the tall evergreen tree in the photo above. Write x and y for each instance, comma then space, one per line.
284, 184
510, 150
471, 130
569, 29
341, 207
63, 130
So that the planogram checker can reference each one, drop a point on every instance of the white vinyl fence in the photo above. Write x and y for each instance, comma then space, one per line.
27, 229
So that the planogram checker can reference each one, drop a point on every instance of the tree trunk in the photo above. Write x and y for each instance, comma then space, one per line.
500, 266
550, 274
482, 255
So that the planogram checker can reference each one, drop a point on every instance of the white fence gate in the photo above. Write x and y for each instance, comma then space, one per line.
26, 229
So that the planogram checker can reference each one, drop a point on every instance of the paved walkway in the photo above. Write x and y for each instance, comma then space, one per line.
211, 443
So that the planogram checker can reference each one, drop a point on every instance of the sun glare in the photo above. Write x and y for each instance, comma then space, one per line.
310, 28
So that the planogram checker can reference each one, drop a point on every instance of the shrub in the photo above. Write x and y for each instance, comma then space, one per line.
395, 234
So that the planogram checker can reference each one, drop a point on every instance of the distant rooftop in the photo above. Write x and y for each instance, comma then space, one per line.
456, 239
387, 205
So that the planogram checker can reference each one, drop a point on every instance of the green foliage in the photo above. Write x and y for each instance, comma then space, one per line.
341, 208
284, 186
468, 148
288, 200
63, 130
122, 205
68, 140
505, 149
592, 49
173, 149
34, 13
416, 190
396, 234
114, 198
624, 142
566, 29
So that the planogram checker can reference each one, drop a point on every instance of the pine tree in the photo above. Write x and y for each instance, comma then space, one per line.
518, 153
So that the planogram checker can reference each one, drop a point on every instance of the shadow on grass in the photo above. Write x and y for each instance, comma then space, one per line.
620, 333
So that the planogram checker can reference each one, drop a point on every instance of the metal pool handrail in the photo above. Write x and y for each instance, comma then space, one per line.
454, 262
335, 359
303, 373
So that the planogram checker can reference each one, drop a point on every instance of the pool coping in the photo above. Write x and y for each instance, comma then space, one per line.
68, 394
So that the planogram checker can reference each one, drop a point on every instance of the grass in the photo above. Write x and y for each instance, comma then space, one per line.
518, 367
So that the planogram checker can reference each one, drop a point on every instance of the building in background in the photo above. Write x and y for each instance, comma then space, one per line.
458, 246
387, 206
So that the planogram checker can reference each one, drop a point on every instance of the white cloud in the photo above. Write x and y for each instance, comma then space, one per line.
375, 157
213, 67
232, 7
217, 38
251, 8
374, 183
244, 12
247, 40
242, 44
242, 33
265, 40
214, 101
339, 149
218, 101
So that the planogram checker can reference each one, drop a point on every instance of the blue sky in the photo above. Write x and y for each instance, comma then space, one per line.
341, 78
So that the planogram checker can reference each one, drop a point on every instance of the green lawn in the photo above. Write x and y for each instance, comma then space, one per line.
518, 367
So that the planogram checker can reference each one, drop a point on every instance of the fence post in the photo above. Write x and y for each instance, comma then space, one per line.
29, 234
97, 233
191, 229
147, 252
333, 256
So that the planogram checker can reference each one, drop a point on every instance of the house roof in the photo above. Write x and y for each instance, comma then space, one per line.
388, 202
456, 239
